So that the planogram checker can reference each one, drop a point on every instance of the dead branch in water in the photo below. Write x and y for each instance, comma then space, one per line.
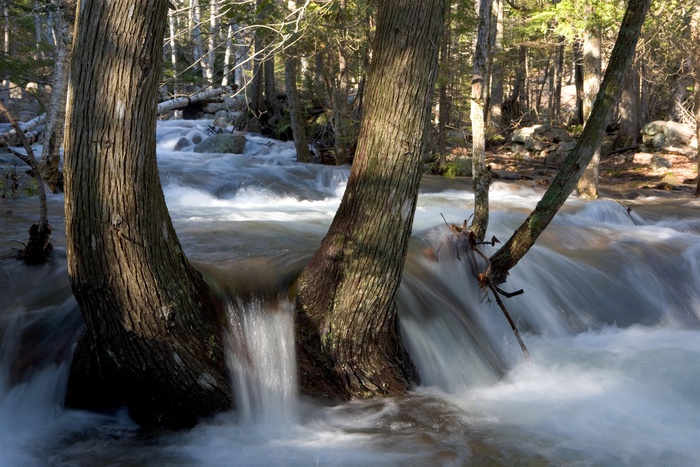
484, 279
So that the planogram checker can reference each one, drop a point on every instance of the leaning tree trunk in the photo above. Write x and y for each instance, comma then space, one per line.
347, 333
563, 184
588, 183
153, 337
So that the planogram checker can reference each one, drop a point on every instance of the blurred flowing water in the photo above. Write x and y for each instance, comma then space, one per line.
610, 314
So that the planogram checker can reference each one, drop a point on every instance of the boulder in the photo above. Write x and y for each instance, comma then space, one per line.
658, 163
182, 143
224, 143
659, 134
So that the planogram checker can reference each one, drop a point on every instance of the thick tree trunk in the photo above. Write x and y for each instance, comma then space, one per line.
296, 118
588, 183
577, 160
629, 112
153, 337
481, 177
348, 339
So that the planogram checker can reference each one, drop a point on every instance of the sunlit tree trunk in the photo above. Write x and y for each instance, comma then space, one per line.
228, 55
172, 25
564, 183
444, 78
210, 59
481, 177
196, 32
348, 338
557, 78
153, 329
577, 46
588, 183
497, 71
5, 91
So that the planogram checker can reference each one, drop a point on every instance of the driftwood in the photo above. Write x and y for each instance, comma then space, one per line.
184, 101
12, 138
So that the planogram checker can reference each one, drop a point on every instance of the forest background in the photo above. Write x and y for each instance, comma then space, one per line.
304, 64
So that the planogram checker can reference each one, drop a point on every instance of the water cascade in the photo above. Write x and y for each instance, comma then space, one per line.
610, 314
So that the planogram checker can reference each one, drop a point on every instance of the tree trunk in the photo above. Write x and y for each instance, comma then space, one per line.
557, 78
578, 118
348, 338
210, 59
629, 112
444, 78
577, 160
153, 337
296, 118
497, 71
228, 54
196, 31
481, 177
183, 101
695, 39
272, 104
588, 183
53, 140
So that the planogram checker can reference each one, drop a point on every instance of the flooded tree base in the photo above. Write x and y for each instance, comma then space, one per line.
38, 248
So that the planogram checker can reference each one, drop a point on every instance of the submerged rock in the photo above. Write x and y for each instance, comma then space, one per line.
224, 143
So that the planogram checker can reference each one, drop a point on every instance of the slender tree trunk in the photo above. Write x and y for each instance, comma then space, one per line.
481, 177
443, 114
153, 336
577, 160
53, 139
588, 183
349, 344
578, 118
695, 39
558, 77
272, 104
228, 54
497, 72
173, 45
196, 31
210, 59
296, 118
5, 91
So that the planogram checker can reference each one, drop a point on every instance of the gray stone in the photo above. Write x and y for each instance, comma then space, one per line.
224, 143
659, 134
659, 162
182, 143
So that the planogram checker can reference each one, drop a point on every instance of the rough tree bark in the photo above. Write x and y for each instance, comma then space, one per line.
563, 184
348, 340
481, 178
498, 70
588, 183
629, 112
153, 337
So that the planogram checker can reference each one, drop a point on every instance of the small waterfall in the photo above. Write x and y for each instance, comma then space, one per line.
262, 361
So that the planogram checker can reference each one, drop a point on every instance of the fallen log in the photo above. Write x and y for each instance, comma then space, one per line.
183, 101
11, 138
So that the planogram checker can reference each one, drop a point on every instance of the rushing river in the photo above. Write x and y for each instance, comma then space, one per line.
610, 315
